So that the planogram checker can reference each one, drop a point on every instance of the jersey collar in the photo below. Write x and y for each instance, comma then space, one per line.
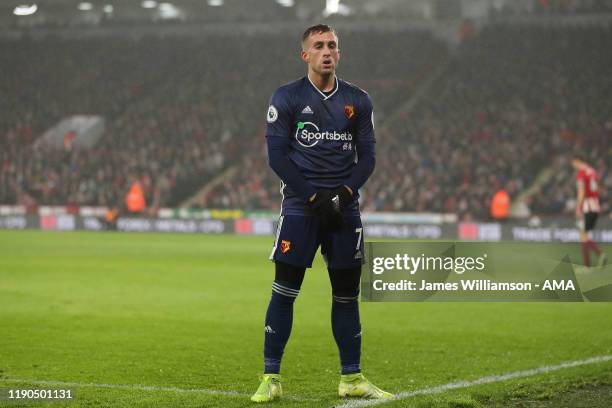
325, 97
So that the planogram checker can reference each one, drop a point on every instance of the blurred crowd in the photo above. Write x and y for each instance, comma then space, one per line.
512, 99
180, 110
184, 112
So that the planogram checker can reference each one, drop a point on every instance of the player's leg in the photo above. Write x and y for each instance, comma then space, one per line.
587, 244
346, 326
585, 227
584, 246
279, 316
343, 252
294, 248
590, 220
279, 320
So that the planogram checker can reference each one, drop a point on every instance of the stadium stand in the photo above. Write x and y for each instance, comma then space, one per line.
172, 121
503, 109
178, 112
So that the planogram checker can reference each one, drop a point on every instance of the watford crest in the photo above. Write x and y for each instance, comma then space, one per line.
349, 111
285, 246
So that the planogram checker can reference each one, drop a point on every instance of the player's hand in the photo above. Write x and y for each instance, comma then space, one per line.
326, 210
578, 212
345, 196
321, 202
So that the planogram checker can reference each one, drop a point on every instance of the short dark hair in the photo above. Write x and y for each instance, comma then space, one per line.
317, 29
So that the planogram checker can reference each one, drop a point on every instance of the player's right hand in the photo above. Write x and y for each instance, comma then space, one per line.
326, 210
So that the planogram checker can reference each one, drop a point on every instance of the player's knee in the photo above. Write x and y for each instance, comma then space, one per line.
292, 276
283, 293
344, 300
345, 284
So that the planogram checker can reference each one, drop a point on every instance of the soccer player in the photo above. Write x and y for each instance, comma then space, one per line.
587, 208
320, 138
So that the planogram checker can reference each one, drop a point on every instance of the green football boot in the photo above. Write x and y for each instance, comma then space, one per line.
356, 385
269, 389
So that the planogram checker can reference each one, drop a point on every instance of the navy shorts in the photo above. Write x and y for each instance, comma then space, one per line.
298, 237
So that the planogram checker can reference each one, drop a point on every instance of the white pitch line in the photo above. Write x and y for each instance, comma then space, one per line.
483, 380
139, 387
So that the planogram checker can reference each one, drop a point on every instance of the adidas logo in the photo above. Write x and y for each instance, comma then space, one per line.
358, 335
336, 203
270, 330
307, 109
358, 255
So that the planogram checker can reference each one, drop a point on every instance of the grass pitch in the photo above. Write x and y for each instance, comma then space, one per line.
161, 320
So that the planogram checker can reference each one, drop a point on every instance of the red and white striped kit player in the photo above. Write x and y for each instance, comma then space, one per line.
587, 209
588, 180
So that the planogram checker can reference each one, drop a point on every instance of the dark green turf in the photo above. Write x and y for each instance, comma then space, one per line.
187, 311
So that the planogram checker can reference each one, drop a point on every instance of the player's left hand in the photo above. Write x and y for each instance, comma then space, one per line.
326, 209
345, 196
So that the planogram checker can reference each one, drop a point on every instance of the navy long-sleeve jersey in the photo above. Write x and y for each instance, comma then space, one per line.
319, 141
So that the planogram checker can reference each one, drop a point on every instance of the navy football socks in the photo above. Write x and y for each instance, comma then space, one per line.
279, 319
347, 331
